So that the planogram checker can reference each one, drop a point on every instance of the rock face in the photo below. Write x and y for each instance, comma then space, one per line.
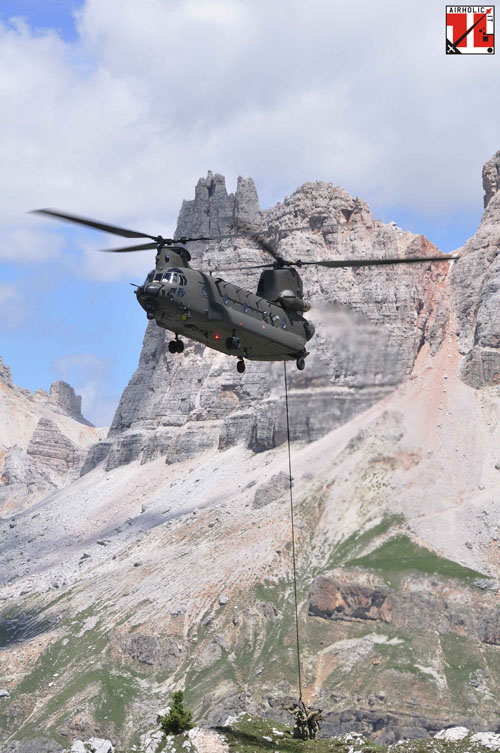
464, 612
147, 649
43, 441
50, 447
63, 398
367, 337
332, 600
5, 375
475, 284
491, 177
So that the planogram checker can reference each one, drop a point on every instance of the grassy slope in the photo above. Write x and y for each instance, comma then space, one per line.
250, 734
83, 673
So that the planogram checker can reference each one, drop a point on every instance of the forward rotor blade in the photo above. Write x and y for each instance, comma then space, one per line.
140, 247
91, 223
373, 262
237, 269
213, 237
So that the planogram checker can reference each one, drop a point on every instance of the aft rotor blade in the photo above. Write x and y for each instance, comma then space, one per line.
373, 262
140, 247
92, 223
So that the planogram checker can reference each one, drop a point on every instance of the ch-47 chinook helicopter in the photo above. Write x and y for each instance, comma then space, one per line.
264, 326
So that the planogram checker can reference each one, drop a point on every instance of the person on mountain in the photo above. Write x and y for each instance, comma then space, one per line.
299, 712
313, 719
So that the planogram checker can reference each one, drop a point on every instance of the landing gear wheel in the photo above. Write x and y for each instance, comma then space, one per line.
301, 363
172, 346
180, 346
150, 314
241, 366
233, 343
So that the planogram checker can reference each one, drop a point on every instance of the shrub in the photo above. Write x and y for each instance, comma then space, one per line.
178, 719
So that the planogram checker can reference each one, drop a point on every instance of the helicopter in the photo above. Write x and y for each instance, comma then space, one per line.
267, 325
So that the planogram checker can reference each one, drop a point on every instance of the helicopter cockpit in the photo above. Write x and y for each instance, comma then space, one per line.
172, 276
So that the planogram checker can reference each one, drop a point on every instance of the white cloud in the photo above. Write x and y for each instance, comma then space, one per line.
121, 125
12, 312
91, 377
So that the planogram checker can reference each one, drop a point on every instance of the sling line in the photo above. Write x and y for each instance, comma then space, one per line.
293, 536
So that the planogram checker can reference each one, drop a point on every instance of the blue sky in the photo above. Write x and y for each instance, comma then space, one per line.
114, 108
57, 15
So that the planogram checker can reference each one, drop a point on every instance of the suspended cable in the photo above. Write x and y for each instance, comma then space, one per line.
293, 536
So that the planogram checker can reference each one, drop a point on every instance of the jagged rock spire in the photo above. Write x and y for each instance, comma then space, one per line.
213, 211
491, 177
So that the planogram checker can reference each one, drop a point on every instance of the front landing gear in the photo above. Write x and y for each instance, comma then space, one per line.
241, 366
233, 343
301, 363
176, 346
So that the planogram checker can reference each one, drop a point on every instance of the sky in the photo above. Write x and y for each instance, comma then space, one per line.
113, 109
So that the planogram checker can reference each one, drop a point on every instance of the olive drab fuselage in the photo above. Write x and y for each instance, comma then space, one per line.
211, 311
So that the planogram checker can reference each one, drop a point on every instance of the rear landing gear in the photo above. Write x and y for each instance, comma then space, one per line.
241, 366
176, 346
301, 363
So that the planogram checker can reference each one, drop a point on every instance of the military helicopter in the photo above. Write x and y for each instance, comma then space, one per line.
264, 326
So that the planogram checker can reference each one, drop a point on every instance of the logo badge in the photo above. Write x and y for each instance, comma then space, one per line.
470, 29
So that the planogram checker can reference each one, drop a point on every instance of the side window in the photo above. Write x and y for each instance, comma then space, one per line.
283, 323
183, 280
204, 290
225, 299
245, 307
158, 277
149, 278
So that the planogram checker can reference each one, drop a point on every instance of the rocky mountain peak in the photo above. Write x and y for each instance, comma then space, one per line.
62, 396
491, 177
213, 211
5, 375
366, 341
43, 440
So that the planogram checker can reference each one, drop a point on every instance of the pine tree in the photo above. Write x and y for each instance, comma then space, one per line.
178, 719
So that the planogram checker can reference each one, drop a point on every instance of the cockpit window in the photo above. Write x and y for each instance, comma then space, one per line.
174, 277
158, 277
150, 276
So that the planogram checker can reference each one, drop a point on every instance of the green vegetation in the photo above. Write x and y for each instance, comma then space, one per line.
401, 555
117, 691
358, 541
179, 719
462, 657
249, 734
